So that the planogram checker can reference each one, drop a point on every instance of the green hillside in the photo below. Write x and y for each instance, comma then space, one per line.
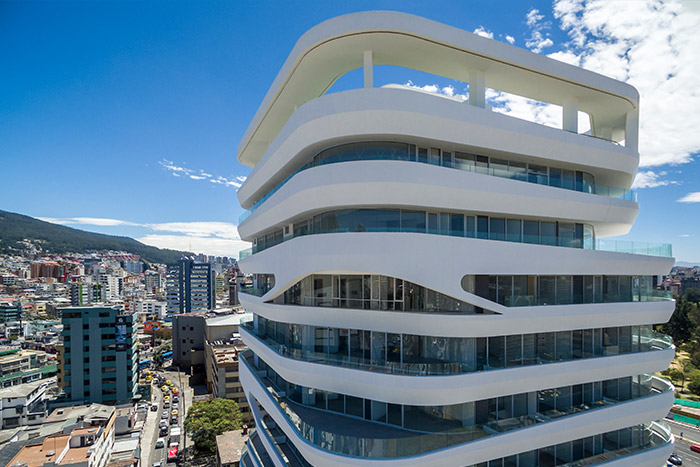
61, 239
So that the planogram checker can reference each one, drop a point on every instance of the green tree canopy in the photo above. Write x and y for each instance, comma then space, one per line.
681, 326
207, 419
692, 295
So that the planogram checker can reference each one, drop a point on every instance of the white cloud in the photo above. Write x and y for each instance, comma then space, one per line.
211, 238
178, 171
435, 89
480, 31
650, 179
87, 221
224, 230
655, 47
533, 17
209, 246
510, 39
690, 198
685, 235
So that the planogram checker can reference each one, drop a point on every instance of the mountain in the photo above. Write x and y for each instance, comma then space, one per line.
61, 239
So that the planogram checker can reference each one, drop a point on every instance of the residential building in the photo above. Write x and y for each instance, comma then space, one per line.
190, 287
229, 447
18, 366
23, 405
150, 309
431, 283
152, 282
84, 294
10, 311
221, 363
188, 341
99, 359
81, 447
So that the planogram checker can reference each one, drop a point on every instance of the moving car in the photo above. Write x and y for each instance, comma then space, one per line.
675, 459
154, 407
172, 453
695, 447
174, 412
173, 421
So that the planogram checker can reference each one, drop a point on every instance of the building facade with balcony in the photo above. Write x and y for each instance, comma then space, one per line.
432, 284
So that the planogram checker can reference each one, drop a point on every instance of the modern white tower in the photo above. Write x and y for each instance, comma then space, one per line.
430, 283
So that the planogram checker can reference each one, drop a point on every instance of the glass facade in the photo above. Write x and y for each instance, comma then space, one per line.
563, 289
554, 233
262, 283
511, 169
592, 450
370, 292
412, 430
411, 354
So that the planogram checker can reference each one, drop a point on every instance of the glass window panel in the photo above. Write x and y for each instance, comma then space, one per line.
444, 223
564, 290
518, 170
548, 233
447, 159
529, 349
537, 174
497, 229
514, 350
513, 227
499, 167
531, 232
434, 157
482, 227
464, 161
567, 233
471, 226
545, 346
457, 225
555, 177
568, 179
423, 155
505, 289
433, 223
563, 345
546, 292
496, 352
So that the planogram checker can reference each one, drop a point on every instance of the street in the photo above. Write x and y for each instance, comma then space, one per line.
155, 420
691, 435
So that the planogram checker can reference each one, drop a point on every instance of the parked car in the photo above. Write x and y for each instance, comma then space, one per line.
160, 443
164, 415
173, 421
675, 459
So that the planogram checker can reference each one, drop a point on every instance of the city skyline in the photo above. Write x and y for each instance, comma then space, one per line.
129, 123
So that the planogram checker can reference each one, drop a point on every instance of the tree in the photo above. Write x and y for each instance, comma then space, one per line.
674, 374
207, 419
680, 327
692, 295
694, 386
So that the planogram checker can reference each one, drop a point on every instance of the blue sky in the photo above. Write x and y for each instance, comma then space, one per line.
124, 117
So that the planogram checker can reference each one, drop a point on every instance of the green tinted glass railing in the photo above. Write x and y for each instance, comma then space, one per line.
513, 174
413, 443
641, 295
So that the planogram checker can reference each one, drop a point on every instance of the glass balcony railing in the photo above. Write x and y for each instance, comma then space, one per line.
651, 436
409, 442
538, 178
642, 342
640, 295
616, 246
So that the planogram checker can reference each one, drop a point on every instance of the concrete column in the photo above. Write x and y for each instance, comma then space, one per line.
477, 89
632, 130
369, 74
570, 114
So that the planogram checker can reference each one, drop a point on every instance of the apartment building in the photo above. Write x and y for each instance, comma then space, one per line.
432, 283
99, 358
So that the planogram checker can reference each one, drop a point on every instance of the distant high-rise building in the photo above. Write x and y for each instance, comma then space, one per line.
133, 267
85, 294
153, 282
190, 287
98, 360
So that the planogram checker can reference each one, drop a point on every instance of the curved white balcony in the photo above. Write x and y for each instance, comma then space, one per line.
327, 448
372, 383
340, 45
393, 184
365, 113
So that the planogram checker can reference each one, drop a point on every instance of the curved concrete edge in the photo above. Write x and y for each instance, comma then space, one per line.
457, 388
568, 428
